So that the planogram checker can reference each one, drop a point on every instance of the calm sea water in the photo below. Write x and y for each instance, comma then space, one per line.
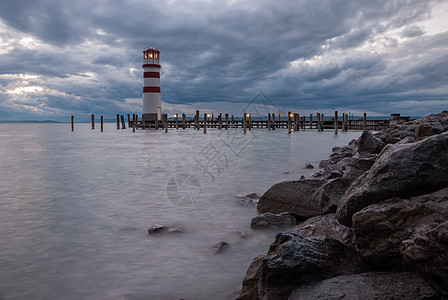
75, 208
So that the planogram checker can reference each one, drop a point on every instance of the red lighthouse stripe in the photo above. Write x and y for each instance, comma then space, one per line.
151, 66
151, 89
151, 75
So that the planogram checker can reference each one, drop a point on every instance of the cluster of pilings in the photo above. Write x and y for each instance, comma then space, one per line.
292, 122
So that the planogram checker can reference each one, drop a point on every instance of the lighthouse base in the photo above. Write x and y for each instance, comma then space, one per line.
150, 120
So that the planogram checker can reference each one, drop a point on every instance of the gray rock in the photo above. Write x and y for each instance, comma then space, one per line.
333, 171
293, 260
159, 229
427, 251
323, 164
369, 144
381, 228
328, 226
220, 247
247, 200
249, 290
304, 198
309, 166
399, 171
373, 285
340, 153
273, 221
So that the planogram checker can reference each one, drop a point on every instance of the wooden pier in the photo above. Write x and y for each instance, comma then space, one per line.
290, 122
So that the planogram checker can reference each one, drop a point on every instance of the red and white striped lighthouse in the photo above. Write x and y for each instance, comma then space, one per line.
152, 104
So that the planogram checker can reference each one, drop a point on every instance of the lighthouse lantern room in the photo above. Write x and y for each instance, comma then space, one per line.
152, 104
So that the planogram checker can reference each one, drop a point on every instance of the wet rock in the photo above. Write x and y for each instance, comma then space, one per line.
309, 166
304, 198
249, 290
427, 251
328, 226
248, 200
293, 260
241, 234
340, 153
159, 229
220, 247
381, 228
369, 144
399, 171
372, 285
324, 163
302, 177
273, 221
333, 171
319, 174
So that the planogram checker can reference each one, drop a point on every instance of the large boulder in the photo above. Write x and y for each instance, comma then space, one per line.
251, 281
381, 228
427, 251
369, 144
372, 285
273, 221
327, 225
304, 198
293, 260
403, 170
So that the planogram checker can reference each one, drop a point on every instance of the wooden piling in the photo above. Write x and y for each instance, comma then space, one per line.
101, 123
166, 122
73, 123
244, 122
289, 122
318, 121
311, 121
118, 121
123, 125
322, 122
184, 121
233, 121
129, 120
336, 125
197, 119
176, 119
249, 121
205, 122
365, 122
273, 121
227, 121
93, 121
133, 122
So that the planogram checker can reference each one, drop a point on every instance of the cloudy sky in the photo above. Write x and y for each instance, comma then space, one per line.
59, 58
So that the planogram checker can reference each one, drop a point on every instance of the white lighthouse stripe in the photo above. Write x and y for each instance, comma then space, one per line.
151, 70
151, 82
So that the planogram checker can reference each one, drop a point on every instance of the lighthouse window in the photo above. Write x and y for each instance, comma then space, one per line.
156, 55
150, 54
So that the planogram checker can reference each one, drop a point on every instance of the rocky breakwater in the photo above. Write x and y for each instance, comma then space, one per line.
373, 222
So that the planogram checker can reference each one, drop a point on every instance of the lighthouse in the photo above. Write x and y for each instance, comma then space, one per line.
152, 104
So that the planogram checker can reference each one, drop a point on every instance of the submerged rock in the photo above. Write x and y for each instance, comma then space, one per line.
220, 247
273, 221
159, 229
248, 200
373, 285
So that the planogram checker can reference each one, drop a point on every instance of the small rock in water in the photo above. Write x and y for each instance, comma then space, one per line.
319, 173
302, 177
286, 172
220, 247
241, 234
158, 228
249, 199
309, 166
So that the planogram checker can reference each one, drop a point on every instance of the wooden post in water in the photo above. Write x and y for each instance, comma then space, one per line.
233, 121
197, 119
220, 121
166, 122
318, 121
296, 121
249, 120
365, 122
303, 123
93, 121
205, 122
227, 121
336, 125
123, 124
184, 121
73, 123
273, 121
101, 123
133, 122
289, 122
118, 121
322, 122
311, 121
244, 122
129, 120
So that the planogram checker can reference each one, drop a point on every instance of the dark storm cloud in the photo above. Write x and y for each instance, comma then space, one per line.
303, 54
